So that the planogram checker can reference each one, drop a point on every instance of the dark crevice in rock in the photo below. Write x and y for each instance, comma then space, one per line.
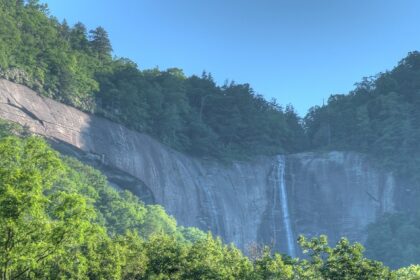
372, 197
25, 110
117, 178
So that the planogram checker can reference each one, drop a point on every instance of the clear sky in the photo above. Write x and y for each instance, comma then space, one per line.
297, 51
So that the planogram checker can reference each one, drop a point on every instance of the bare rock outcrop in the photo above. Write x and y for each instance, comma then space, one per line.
336, 193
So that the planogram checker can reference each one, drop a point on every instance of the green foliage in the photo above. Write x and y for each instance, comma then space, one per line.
8, 129
344, 261
99, 42
61, 220
195, 115
37, 222
411, 272
208, 258
268, 266
191, 114
380, 118
36, 50
393, 239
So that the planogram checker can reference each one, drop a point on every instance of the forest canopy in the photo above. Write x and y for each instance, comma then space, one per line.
191, 114
194, 114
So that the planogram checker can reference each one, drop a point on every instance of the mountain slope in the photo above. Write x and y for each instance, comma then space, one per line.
190, 114
60, 220
238, 201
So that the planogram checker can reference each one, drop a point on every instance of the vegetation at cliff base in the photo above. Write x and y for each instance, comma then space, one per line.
59, 219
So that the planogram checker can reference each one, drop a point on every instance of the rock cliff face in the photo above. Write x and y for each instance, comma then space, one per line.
336, 193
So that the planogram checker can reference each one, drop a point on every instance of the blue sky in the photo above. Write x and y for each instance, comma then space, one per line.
297, 51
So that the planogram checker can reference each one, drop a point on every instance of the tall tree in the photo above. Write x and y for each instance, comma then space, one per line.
100, 43
78, 37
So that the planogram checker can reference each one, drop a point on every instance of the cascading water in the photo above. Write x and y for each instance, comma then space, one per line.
212, 211
285, 206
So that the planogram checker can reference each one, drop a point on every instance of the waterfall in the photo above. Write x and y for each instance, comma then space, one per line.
212, 211
285, 206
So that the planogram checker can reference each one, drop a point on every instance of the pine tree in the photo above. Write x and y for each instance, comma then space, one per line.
99, 41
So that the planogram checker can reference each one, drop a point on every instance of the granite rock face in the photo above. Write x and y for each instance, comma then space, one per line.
335, 193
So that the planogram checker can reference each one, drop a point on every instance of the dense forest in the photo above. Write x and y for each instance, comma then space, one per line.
190, 114
381, 117
193, 114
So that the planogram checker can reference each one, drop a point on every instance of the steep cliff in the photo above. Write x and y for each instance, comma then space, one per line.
337, 193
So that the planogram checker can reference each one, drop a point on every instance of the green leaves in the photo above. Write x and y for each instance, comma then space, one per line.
381, 117
344, 261
394, 239
100, 43
191, 114
59, 219
35, 223
411, 272
35, 51
270, 266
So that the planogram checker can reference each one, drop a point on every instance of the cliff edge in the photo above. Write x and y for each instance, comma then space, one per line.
335, 193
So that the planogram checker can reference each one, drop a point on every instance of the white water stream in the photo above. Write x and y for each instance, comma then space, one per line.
285, 207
